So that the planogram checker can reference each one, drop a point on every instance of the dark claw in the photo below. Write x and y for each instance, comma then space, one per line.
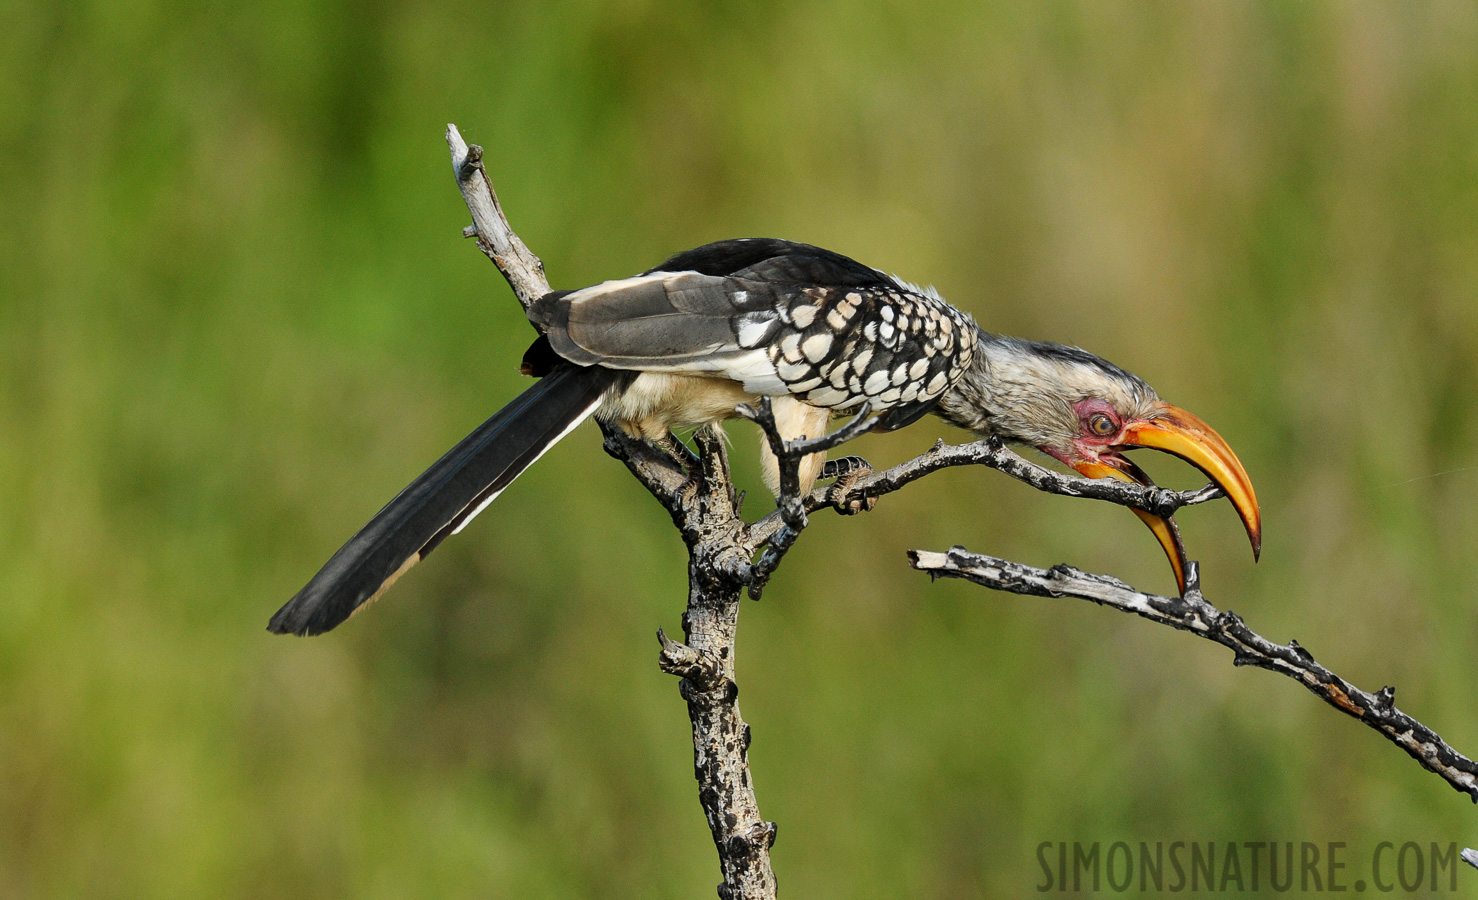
674, 447
847, 471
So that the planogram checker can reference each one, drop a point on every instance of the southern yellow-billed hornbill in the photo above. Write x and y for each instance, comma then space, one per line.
686, 342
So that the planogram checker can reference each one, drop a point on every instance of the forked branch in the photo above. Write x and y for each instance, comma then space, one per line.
698, 494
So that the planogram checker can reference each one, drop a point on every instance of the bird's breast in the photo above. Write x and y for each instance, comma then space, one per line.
656, 402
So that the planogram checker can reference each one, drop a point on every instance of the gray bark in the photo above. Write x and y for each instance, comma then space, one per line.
698, 493
1193, 614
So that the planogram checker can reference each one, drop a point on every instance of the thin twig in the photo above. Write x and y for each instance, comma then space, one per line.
993, 454
1193, 614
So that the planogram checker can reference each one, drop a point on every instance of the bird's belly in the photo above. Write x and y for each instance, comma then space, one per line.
657, 402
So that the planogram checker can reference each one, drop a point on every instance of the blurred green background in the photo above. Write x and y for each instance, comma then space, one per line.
237, 315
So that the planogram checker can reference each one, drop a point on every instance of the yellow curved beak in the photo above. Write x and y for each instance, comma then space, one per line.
1176, 431
1165, 530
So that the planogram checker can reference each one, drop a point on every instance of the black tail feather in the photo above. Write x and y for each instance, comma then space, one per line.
444, 498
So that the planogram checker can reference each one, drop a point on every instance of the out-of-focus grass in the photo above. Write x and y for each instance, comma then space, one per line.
236, 316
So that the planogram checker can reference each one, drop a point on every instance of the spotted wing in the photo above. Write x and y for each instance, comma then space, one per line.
894, 347
779, 317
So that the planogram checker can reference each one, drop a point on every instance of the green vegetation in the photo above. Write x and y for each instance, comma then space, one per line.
236, 315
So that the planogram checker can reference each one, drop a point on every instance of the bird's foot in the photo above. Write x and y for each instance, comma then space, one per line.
847, 470
674, 447
844, 465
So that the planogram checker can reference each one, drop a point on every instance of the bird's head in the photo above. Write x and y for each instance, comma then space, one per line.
1085, 412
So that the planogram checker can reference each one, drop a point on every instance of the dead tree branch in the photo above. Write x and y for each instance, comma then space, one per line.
698, 493
1193, 614
524, 270
993, 454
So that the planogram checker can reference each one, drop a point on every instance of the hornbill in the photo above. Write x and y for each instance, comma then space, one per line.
686, 342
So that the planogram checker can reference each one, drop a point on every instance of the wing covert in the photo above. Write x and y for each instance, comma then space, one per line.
803, 321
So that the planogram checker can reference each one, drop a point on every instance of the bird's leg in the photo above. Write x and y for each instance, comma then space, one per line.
674, 447
794, 421
848, 470
789, 456
843, 466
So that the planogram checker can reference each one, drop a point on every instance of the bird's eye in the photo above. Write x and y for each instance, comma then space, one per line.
1102, 425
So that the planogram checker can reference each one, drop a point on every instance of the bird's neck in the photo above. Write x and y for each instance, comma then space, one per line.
971, 402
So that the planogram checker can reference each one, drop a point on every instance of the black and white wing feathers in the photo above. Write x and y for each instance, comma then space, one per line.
445, 497
779, 317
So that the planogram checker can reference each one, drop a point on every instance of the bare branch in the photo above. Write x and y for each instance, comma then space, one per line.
1193, 614
662, 475
524, 270
699, 495
993, 454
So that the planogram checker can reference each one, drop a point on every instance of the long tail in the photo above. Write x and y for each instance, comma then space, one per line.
445, 498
